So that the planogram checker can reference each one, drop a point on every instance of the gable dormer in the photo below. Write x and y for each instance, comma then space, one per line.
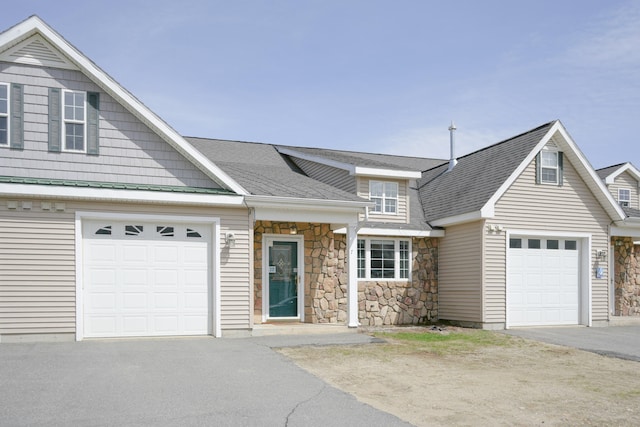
622, 181
375, 177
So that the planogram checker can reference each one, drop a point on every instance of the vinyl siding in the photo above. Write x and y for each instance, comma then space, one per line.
402, 215
37, 264
626, 180
129, 151
570, 208
460, 273
335, 177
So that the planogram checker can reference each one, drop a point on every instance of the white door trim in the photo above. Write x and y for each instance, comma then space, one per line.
215, 262
267, 241
584, 291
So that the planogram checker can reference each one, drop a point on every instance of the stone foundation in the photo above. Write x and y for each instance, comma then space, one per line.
403, 302
626, 276
397, 302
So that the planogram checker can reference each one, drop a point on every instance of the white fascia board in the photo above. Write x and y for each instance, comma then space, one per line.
391, 232
387, 173
117, 195
35, 25
305, 210
583, 167
353, 169
627, 167
625, 230
458, 219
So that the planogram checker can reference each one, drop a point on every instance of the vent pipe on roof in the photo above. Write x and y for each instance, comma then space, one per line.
452, 139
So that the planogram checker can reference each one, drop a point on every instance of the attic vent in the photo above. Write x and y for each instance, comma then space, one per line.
37, 51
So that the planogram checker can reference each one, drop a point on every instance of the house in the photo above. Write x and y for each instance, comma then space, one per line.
115, 225
623, 182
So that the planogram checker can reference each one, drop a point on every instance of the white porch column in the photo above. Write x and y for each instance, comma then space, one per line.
352, 267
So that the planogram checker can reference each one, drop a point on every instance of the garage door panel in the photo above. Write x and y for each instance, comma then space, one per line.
155, 281
543, 284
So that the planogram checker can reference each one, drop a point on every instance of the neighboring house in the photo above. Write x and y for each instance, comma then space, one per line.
112, 224
623, 182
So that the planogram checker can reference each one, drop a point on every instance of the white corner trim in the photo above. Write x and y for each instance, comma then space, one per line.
627, 167
34, 25
120, 195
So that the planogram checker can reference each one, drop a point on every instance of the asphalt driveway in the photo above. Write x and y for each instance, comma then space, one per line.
161, 382
616, 341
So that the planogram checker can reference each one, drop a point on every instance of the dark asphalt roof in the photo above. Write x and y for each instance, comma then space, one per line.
476, 177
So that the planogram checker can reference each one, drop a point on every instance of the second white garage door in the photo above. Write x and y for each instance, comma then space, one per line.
146, 278
543, 281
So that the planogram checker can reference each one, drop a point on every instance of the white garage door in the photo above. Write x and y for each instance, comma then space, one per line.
146, 279
543, 281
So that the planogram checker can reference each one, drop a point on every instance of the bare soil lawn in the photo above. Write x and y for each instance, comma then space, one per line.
471, 377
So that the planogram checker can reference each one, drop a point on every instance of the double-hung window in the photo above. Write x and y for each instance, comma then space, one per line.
74, 120
4, 114
384, 258
385, 196
624, 197
549, 168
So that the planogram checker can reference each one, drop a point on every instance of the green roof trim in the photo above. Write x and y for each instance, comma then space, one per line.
113, 185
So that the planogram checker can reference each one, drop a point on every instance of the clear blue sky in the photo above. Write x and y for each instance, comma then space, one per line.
378, 76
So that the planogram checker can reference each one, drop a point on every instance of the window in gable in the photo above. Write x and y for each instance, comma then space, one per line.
74, 120
384, 258
4, 114
624, 197
549, 167
385, 197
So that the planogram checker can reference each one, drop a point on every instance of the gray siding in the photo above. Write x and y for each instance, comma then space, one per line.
403, 200
460, 273
129, 151
626, 180
335, 177
571, 208
37, 264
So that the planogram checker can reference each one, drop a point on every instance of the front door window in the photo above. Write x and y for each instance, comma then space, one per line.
283, 279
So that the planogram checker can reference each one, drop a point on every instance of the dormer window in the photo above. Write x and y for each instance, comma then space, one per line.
385, 196
624, 197
4, 114
549, 167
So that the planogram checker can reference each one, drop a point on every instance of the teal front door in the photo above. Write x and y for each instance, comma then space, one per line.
283, 279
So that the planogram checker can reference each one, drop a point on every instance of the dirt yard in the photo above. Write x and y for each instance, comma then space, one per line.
480, 378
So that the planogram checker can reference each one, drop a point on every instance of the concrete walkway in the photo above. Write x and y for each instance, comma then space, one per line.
169, 382
616, 341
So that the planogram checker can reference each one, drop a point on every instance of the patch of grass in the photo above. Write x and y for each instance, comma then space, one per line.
449, 342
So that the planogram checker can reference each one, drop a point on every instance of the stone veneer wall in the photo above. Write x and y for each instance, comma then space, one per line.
325, 280
627, 277
404, 302
325, 277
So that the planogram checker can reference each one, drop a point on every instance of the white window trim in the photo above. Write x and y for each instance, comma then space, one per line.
83, 122
557, 166
384, 198
627, 201
396, 265
8, 115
